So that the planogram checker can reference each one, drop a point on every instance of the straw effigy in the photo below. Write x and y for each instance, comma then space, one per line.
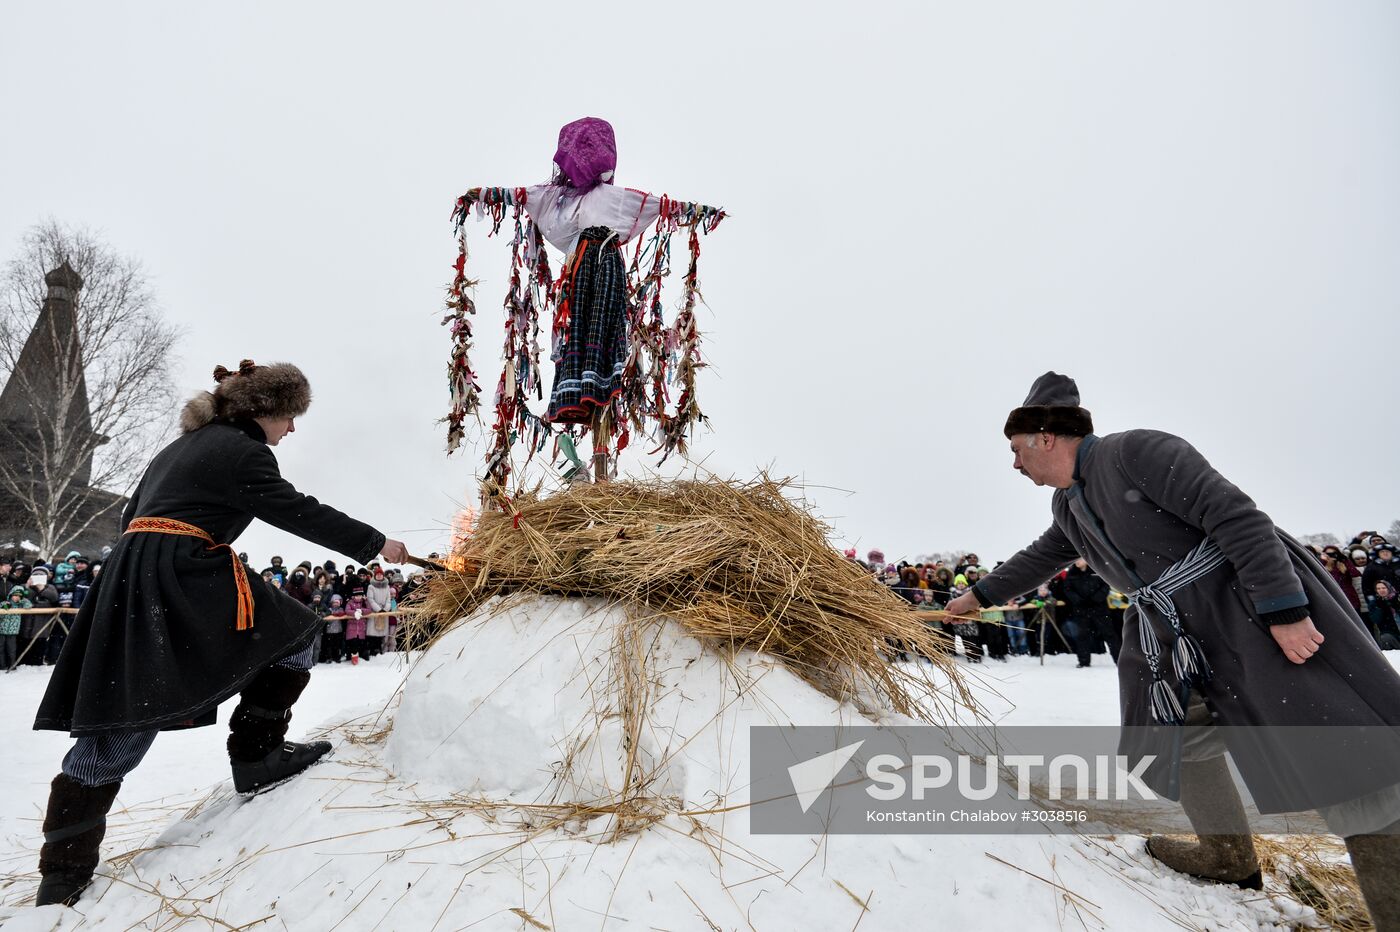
739, 564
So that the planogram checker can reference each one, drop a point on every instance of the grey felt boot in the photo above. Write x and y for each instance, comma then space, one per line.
1376, 860
1224, 853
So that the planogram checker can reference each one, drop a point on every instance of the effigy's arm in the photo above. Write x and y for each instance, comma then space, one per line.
492, 202
676, 214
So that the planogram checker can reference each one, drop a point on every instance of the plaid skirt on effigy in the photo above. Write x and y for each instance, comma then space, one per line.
588, 369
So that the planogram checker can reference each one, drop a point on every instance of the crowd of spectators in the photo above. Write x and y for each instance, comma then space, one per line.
1369, 577
36, 638
1078, 612
357, 605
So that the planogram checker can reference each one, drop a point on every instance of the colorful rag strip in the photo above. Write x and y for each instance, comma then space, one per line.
180, 528
658, 356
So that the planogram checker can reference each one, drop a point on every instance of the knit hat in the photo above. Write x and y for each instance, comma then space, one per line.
20, 589
587, 153
1052, 407
278, 390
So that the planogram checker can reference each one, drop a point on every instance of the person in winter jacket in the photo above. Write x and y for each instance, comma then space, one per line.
1228, 614
333, 650
70, 597
1089, 620
1382, 568
356, 608
34, 629
379, 595
279, 570
1343, 571
969, 627
1384, 607
299, 586
9, 626
176, 623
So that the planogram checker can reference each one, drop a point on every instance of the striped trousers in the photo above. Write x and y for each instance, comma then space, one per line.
96, 760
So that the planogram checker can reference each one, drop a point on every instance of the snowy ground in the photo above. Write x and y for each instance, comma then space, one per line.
429, 827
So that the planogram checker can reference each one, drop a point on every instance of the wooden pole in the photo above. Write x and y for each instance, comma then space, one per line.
600, 446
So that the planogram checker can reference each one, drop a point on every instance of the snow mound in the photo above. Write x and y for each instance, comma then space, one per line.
491, 803
524, 706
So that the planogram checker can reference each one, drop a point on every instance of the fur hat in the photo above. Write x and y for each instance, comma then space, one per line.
278, 390
1052, 407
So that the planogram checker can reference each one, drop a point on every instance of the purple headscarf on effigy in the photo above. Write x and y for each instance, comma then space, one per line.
587, 153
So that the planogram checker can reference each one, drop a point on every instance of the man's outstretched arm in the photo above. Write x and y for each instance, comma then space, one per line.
1050, 553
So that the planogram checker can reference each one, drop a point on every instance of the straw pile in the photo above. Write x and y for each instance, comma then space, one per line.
739, 565
1315, 871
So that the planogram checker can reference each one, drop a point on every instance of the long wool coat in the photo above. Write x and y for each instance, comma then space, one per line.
155, 643
1141, 501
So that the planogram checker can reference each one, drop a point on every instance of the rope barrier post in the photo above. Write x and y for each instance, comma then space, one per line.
54, 614
1048, 617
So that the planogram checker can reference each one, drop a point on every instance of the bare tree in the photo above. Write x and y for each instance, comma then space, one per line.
91, 399
1392, 533
1321, 540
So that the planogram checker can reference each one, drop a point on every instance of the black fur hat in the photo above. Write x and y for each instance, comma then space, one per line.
1052, 407
278, 390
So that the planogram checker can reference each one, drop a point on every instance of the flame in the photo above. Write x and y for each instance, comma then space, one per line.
463, 527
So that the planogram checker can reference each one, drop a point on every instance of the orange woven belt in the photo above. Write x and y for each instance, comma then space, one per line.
171, 526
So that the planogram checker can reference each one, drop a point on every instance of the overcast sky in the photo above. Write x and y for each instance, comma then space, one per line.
1192, 208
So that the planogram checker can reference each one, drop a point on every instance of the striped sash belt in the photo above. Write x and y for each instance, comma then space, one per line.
1188, 662
240, 578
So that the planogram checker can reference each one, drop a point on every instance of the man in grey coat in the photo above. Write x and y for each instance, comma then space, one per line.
1232, 623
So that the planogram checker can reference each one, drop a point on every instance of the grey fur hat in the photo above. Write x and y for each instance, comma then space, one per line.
277, 390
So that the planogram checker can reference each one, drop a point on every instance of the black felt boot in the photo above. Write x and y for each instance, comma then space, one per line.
1376, 860
260, 756
1224, 848
73, 830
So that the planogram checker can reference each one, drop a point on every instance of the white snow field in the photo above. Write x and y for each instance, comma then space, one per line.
437, 808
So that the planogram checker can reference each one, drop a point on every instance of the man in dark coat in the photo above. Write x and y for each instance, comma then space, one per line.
1087, 595
176, 623
1227, 618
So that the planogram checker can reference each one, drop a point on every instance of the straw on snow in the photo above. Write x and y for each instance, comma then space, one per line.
738, 564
